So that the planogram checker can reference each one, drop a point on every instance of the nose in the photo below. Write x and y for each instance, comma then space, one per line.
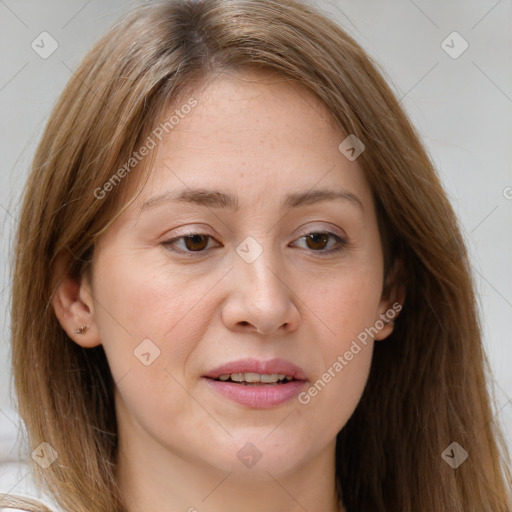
260, 299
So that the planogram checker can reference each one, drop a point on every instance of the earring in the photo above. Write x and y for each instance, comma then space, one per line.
81, 330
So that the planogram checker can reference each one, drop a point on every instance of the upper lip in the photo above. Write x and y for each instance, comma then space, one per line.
251, 365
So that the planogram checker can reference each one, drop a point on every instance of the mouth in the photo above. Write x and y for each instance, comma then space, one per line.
257, 384
255, 371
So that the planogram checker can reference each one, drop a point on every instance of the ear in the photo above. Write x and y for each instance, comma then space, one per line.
392, 300
74, 307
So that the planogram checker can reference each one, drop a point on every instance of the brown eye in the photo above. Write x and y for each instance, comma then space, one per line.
317, 241
191, 243
196, 242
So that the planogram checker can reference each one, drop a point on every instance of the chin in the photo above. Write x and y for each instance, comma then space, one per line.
257, 455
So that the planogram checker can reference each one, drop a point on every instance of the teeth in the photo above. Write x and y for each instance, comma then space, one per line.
269, 378
256, 377
253, 377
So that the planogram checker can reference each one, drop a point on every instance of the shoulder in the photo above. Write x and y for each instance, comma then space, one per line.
17, 483
16, 479
13, 509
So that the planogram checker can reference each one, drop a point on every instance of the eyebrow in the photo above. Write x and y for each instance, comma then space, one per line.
218, 199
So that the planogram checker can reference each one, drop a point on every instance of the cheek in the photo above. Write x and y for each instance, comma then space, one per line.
139, 300
346, 304
335, 391
347, 307
332, 398
149, 327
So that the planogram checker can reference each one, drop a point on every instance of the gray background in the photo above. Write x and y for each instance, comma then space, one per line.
461, 106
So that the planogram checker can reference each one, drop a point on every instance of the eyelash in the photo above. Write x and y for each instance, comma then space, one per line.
342, 242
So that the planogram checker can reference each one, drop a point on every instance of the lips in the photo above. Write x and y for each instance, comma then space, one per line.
257, 384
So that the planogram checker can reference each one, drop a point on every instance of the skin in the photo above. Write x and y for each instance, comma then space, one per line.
259, 138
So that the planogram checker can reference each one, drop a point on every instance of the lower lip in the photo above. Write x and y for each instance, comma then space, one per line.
261, 396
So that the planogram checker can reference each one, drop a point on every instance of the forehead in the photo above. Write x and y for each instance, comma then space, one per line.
249, 107
251, 133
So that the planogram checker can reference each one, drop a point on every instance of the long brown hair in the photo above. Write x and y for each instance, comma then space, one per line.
428, 381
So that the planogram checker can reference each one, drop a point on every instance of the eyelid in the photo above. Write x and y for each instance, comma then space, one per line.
322, 229
302, 232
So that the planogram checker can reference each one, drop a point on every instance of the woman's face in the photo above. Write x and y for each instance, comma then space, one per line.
282, 276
